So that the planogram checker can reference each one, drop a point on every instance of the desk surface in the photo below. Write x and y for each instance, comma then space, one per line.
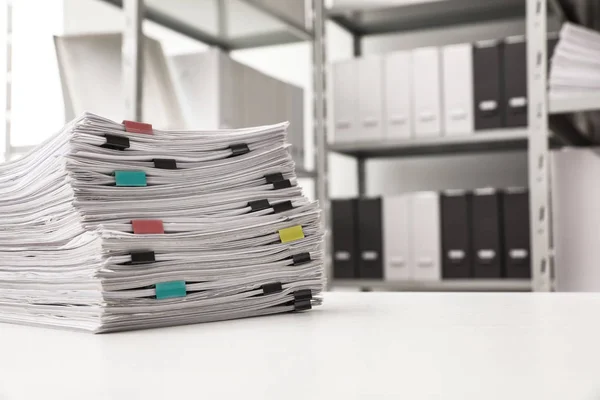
357, 346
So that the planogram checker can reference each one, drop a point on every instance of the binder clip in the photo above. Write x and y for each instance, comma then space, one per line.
239, 149
115, 142
291, 234
272, 178
130, 178
282, 184
164, 163
137, 127
301, 258
269, 288
259, 205
302, 300
147, 226
169, 290
281, 207
142, 257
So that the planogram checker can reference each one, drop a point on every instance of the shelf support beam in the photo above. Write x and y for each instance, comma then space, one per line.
133, 58
319, 60
538, 154
297, 29
8, 83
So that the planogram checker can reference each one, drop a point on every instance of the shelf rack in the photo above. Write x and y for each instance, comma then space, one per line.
455, 285
492, 140
369, 20
535, 139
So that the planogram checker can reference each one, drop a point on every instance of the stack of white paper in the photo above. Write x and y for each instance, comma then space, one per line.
575, 66
110, 227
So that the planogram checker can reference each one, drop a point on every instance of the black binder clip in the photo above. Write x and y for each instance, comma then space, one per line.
269, 288
164, 163
142, 257
301, 258
302, 300
259, 205
282, 184
115, 142
272, 178
239, 149
281, 207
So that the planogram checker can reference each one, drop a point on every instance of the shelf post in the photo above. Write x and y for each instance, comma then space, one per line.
133, 58
319, 59
8, 83
538, 154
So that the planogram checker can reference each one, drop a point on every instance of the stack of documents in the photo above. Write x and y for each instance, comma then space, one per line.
575, 67
110, 226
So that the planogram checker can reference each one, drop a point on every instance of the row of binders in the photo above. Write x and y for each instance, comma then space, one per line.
432, 91
428, 236
108, 227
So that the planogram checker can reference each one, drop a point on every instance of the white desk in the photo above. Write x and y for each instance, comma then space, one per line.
357, 346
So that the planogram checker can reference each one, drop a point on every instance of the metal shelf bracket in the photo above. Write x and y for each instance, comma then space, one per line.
538, 155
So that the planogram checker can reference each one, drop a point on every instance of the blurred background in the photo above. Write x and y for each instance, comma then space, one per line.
450, 142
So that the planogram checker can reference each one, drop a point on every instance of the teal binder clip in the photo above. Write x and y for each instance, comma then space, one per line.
168, 290
130, 178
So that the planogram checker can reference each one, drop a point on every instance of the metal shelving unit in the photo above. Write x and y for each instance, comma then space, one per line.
536, 139
374, 20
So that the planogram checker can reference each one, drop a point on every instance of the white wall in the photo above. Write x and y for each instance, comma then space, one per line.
36, 95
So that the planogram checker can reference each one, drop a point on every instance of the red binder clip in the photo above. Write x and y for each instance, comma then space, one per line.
137, 127
147, 226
